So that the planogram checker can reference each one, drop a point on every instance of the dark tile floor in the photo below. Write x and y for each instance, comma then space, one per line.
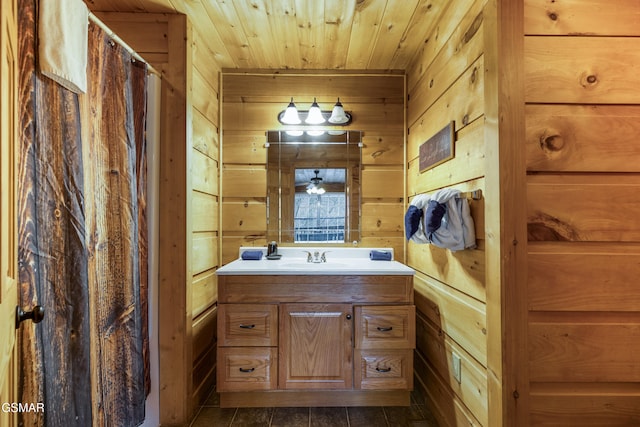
416, 415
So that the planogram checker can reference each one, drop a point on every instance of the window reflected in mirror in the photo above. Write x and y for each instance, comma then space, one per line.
320, 205
313, 187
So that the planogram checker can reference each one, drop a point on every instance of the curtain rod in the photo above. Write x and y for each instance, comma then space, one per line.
121, 42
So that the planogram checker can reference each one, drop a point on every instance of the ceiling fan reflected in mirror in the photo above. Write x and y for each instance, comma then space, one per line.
315, 186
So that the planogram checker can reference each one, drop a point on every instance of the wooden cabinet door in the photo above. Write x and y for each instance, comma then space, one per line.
316, 346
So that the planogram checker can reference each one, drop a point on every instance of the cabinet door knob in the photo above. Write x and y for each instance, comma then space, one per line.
348, 317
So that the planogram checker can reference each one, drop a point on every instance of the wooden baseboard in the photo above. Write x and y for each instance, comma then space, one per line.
325, 398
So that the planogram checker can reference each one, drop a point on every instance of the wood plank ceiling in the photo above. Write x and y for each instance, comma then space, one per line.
302, 34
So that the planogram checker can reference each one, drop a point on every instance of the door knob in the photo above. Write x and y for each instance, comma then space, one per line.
36, 315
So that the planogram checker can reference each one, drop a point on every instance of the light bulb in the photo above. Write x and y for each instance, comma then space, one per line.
290, 116
337, 114
314, 117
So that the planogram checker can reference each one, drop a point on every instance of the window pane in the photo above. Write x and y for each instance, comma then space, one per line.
319, 218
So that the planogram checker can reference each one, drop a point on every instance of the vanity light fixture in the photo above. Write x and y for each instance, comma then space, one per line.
314, 116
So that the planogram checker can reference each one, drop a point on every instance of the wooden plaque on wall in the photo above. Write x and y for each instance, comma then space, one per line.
437, 149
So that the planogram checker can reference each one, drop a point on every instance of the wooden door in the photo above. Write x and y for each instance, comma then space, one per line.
316, 346
8, 228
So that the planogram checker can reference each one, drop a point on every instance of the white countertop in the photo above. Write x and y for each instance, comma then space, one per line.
339, 261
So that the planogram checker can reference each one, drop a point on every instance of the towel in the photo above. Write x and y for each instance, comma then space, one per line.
63, 29
252, 255
380, 255
446, 221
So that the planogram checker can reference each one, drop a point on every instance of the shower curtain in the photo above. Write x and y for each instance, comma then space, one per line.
82, 237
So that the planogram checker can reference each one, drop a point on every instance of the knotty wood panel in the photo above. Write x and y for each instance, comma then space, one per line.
205, 256
204, 61
204, 292
582, 138
205, 98
584, 404
305, 87
583, 208
244, 215
445, 405
205, 136
382, 217
459, 316
244, 147
462, 270
584, 277
464, 47
382, 148
382, 182
581, 70
445, 23
463, 103
585, 17
584, 347
438, 349
204, 173
150, 35
204, 332
205, 212
244, 181
204, 346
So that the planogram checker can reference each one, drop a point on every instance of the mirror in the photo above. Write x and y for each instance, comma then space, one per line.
313, 187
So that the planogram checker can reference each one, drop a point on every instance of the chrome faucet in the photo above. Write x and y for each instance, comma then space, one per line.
316, 257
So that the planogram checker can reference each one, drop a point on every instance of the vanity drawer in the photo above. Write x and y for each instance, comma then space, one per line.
247, 368
248, 325
383, 369
385, 327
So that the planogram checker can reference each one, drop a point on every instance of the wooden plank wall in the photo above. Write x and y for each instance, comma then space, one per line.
189, 203
251, 103
446, 82
582, 126
205, 192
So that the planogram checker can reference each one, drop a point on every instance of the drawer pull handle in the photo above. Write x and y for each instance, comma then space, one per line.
383, 370
247, 326
247, 370
381, 329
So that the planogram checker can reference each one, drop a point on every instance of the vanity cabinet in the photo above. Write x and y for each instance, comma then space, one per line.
316, 340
